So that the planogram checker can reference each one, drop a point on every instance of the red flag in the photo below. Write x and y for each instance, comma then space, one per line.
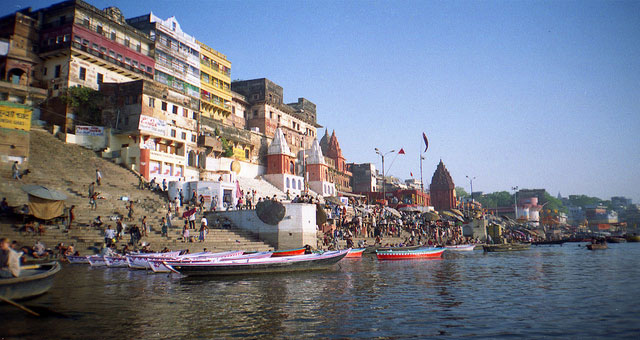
426, 142
401, 152
411, 174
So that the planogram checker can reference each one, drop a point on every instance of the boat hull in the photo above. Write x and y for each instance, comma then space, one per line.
77, 259
97, 261
462, 247
506, 247
288, 252
597, 246
431, 253
31, 283
262, 266
356, 253
633, 238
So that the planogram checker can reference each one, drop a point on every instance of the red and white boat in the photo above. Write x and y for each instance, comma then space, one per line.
356, 253
420, 253
289, 252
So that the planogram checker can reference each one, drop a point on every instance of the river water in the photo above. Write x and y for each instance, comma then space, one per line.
548, 291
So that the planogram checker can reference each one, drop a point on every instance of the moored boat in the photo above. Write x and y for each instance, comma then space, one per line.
616, 239
421, 253
461, 247
597, 246
97, 261
506, 247
356, 253
32, 282
116, 261
633, 238
261, 266
289, 252
157, 264
77, 259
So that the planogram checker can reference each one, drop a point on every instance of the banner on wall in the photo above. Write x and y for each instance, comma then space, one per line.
153, 125
82, 130
154, 168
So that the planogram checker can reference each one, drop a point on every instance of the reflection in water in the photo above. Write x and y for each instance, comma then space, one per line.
546, 291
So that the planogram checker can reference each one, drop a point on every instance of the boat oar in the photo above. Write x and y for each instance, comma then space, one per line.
15, 304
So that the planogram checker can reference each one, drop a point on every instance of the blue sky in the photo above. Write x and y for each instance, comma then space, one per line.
538, 94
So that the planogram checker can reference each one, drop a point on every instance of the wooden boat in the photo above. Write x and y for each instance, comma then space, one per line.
461, 247
77, 259
421, 253
356, 253
31, 282
540, 243
373, 249
616, 239
141, 261
506, 247
288, 252
597, 246
158, 265
633, 238
262, 266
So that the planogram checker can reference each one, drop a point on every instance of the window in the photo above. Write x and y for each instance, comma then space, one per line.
112, 54
119, 57
66, 37
85, 22
135, 63
152, 102
271, 114
173, 133
113, 35
95, 46
138, 47
175, 110
127, 60
44, 71
100, 78
62, 20
183, 135
57, 71
127, 42
99, 29
185, 112
83, 73
164, 106
85, 42
193, 138
195, 115
246, 153
255, 113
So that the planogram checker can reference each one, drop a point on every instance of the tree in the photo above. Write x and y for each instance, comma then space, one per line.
552, 203
460, 192
86, 103
496, 199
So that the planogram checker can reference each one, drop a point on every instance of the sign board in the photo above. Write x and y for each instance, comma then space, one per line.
14, 117
82, 130
153, 125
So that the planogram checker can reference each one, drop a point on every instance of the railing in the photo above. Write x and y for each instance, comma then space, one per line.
107, 35
105, 57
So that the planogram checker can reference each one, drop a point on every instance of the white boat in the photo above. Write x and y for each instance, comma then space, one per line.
97, 261
461, 247
116, 261
141, 261
77, 259
157, 265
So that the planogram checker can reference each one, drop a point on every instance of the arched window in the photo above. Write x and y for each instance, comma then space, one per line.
246, 153
291, 168
202, 160
300, 185
191, 159
287, 183
293, 184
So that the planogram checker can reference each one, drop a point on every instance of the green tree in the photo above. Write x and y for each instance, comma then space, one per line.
552, 203
460, 192
86, 103
496, 199
226, 147
583, 200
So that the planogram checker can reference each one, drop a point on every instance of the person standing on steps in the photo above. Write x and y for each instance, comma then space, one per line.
92, 189
203, 232
192, 219
164, 184
130, 208
119, 228
145, 227
72, 216
93, 201
165, 228
98, 176
15, 169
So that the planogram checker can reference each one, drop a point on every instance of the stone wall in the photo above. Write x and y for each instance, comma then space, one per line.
297, 229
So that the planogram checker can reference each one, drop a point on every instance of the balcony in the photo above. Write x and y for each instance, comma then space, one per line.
98, 54
210, 142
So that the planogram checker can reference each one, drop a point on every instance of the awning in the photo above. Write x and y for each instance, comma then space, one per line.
340, 193
43, 192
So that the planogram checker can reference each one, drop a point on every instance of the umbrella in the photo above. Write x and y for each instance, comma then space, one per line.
458, 212
450, 214
430, 216
393, 212
409, 209
43, 192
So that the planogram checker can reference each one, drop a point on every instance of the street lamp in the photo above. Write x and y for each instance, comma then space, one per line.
471, 183
515, 201
384, 179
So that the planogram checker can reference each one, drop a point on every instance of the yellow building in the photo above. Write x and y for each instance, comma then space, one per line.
215, 84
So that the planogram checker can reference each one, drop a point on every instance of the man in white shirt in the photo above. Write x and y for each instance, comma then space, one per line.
9, 260
204, 221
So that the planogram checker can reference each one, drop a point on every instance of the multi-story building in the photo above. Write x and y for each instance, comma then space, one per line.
338, 172
154, 130
215, 84
177, 54
239, 109
317, 172
81, 45
363, 177
267, 111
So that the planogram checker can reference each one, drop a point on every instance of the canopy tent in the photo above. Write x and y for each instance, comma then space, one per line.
44, 203
452, 215
430, 216
458, 212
